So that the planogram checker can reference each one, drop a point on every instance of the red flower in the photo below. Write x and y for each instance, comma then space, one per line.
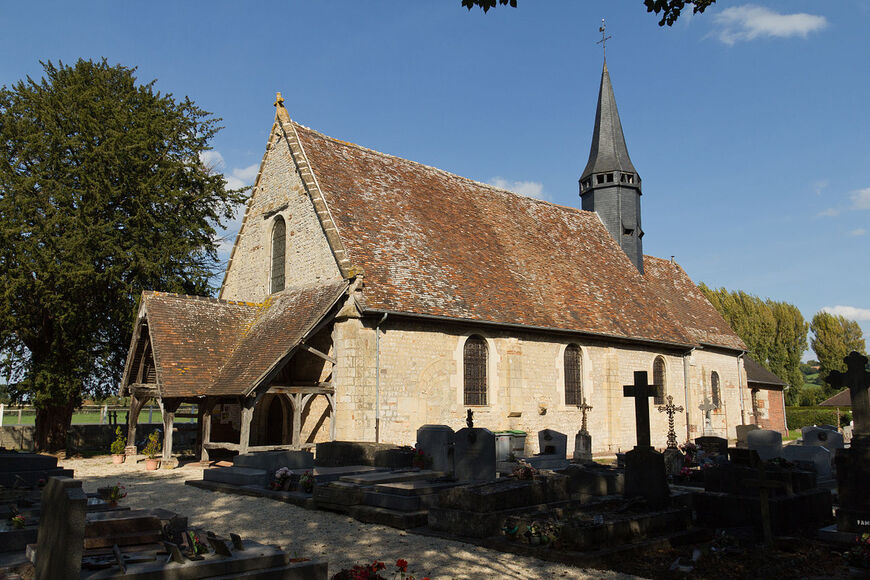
402, 564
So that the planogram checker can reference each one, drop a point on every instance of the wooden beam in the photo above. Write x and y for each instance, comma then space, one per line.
143, 389
322, 389
316, 352
222, 445
269, 447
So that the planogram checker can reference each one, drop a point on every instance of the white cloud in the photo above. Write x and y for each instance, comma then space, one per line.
242, 176
858, 232
749, 22
850, 312
820, 186
861, 199
830, 212
533, 189
212, 159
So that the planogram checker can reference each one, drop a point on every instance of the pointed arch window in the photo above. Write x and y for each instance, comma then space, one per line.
659, 381
279, 243
474, 369
573, 375
714, 385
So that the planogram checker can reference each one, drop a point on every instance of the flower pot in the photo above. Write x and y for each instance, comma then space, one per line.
152, 464
118, 458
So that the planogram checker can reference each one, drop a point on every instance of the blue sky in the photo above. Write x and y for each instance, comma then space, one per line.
747, 123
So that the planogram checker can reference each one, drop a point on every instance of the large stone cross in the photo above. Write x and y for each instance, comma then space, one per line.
858, 380
583, 409
641, 391
705, 407
671, 410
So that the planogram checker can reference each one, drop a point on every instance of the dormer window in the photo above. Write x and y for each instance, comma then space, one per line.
599, 178
626, 178
627, 232
609, 178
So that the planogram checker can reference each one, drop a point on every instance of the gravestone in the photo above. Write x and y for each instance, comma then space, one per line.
60, 541
819, 437
816, 457
474, 454
853, 464
742, 432
828, 427
766, 442
583, 440
436, 441
552, 442
645, 474
707, 407
273, 460
712, 445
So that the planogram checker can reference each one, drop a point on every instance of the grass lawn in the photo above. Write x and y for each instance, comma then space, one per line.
92, 418
792, 435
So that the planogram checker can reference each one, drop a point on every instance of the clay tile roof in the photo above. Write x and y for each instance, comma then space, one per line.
209, 346
841, 399
191, 338
281, 324
760, 376
434, 243
699, 319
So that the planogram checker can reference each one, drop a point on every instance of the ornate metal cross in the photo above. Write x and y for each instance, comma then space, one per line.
671, 410
603, 42
583, 409
858, 380
641, 391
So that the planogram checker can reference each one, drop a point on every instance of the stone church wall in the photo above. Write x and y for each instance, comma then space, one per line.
421, 381
308, 258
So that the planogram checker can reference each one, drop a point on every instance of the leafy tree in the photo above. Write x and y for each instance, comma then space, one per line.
775, 332
102, 195
834, 337
669, 9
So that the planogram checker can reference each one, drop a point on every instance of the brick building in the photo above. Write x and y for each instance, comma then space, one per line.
413, 294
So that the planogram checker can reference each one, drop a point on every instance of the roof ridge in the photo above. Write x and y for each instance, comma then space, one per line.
494, 188
201, 298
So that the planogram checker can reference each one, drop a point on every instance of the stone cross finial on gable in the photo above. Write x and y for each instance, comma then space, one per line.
641, 391
858, 380
671, 410
279, 100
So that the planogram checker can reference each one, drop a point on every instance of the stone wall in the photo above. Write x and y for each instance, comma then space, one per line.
308, 258
421, 382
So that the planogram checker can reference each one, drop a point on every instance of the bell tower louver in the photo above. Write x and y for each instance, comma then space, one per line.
610, 185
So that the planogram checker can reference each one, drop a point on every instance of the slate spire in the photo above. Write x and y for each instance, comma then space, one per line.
610, 185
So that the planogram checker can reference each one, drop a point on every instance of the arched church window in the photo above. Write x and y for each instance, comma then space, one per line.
474, 365
279, 243
659, 381
714, 384
573, 375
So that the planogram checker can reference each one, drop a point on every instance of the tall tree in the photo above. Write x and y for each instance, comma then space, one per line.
102, 195
669, 9
834, 337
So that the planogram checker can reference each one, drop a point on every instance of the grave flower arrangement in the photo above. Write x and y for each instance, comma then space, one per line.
859, 555
17, 521
690, 450
372, 572
306, 482
116, 493
420, 459
524, 471
282, 476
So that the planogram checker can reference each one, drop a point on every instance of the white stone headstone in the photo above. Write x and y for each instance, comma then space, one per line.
818, 437
817, 456
767, 443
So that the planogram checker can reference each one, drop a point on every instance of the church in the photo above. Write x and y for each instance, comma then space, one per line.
367, 295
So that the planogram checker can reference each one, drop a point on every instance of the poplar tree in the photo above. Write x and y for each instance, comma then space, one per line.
102, 194
834, 337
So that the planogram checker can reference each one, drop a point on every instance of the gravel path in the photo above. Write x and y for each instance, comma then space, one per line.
339, 539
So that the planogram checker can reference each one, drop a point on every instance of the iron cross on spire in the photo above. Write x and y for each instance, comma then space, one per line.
604, 38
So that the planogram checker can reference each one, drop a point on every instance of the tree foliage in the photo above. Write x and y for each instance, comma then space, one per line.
102, 195
775, 332
669, 9
834, 337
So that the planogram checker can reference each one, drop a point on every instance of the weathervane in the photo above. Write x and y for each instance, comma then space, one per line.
604, 38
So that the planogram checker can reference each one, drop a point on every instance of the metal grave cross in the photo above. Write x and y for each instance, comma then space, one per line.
641, 391
858, 381
583, 409
671, 410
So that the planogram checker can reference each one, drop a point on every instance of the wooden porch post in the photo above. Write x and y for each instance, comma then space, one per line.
168, 409
206, 409
247, 406
136, 404
331, 399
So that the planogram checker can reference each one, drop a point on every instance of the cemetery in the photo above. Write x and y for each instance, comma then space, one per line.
738, 499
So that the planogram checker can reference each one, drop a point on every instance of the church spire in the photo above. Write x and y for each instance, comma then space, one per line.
610, 185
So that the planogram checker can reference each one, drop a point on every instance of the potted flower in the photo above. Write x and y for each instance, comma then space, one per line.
17, 521
117, 448
281, 480
420, 460
152, 448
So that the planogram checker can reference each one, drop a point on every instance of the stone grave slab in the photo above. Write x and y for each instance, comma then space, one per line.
818, 457
788, 513
237, 476
389, 477
340, 453
474, 455
127, 528
436, 441
594, 480
338, 496
552, 442
414, 487
406, 495
766, 442
582, 447
712, 445
817, 436
674, 461
60, 540
273, 460
645, 476
742, 432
